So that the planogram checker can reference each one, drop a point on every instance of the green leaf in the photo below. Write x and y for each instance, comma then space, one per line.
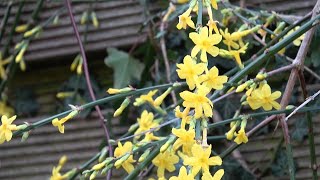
300, 131
280, 165
125, 67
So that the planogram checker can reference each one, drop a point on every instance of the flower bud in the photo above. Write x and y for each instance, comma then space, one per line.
21, 28
94, 19
75, 62
290, 107
62, 160
84, 18
23, 49
98, 166
22, 126
123, 105
104, 171
261, 76
93, 175
133, 127
122, 160
32, 32
167, 144
160, 99
55, 20
25, 136
103, 155
118, 91
242, 87
144, 155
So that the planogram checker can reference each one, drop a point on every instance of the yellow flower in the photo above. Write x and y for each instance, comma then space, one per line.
145, 98
217, 176
146, 122
241, 137
262, 97
185, 139
198, 101
185, 119
185, 19
201, 159
150, 137
212, 26
236, 54
6, 128
214, 4
165, 161
212, 80
183, 175
122, 150
56, 175
190, 70
60, 123
205, 42
229, 40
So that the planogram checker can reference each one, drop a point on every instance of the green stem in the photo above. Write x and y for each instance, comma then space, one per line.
199, 19
216, 138
18, 14
94, 103
35, 13
5, 19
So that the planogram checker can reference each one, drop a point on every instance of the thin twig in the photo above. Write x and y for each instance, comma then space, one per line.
312, 149
166, 60
88, 81
302, 105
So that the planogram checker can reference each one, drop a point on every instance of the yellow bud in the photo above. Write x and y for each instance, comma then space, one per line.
242, 87
160, 99
144, 155
62, 160
22, 65
19, 57
121, 160
21, 28
79, 67
94, 19
62, 95
98, 166
93, 175
75, 62
118, 91
261, 76
167, 144
182, 1
230, 133
124, 104
32, 31
84, 18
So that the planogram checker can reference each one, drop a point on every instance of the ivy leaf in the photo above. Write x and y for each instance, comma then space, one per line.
300, 131
125, 67
280, 165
